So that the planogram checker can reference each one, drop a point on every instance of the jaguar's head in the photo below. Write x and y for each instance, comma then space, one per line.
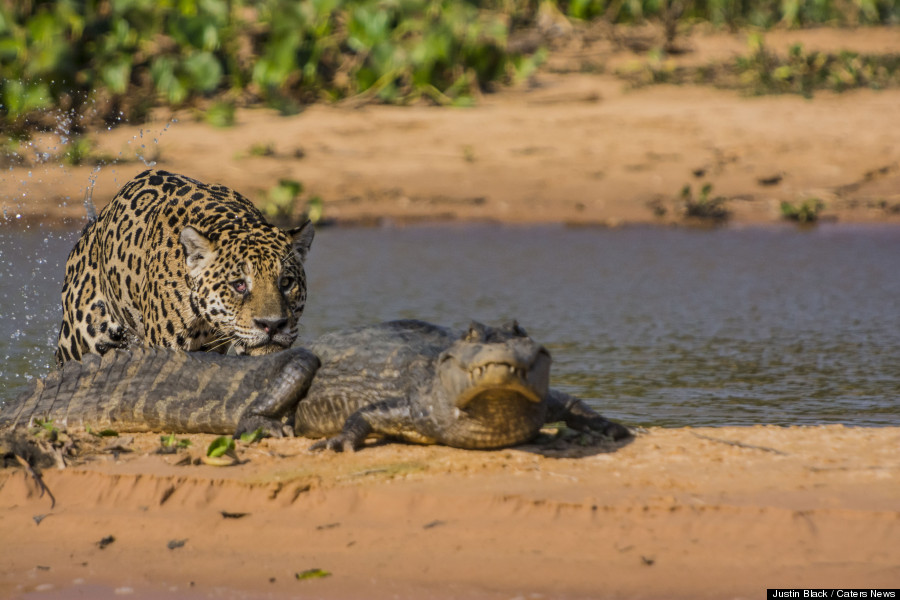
247, 284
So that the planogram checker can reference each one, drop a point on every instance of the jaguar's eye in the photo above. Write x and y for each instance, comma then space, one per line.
239, 286
286, 283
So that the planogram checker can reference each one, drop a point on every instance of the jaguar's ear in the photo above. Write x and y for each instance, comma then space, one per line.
198, 250
301, 238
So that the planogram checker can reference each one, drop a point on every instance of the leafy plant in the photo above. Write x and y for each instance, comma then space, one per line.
221, 452
281, 199
45, 429
704, 207
262, 149
315, 210
762, 71
78, 151
170, 442
109, 61
251, 437
805, 212
116, 59
221, 114
220, 447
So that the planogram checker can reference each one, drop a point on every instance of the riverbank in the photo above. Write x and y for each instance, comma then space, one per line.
572, 145
677, 513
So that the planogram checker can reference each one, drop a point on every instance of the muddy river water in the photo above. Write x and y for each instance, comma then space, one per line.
652, 326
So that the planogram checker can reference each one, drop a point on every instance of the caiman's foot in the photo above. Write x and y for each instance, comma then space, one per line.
270, 427
339, 443
610, 429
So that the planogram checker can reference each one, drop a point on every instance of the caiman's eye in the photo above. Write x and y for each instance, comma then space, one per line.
286, 283
239, 286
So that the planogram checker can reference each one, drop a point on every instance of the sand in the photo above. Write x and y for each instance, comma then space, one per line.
676, 513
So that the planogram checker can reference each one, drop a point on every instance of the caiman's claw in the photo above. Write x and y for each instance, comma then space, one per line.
338, 443
611, 429
270, 427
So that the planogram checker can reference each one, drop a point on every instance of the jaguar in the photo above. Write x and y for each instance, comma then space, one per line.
172, 262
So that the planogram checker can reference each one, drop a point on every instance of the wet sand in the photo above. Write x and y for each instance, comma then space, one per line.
677, 513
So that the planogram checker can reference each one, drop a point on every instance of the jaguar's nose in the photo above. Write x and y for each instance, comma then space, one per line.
271, 325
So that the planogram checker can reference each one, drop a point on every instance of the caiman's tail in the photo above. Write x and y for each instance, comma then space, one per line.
147, 390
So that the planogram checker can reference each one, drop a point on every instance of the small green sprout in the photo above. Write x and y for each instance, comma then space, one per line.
805, 212
250, 437
312, 574
169, 441
220, 446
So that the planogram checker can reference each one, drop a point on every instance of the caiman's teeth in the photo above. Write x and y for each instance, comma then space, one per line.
476, 372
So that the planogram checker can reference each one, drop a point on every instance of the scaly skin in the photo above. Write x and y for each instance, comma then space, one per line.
156, 389
482, 388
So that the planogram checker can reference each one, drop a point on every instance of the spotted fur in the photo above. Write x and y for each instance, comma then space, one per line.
176, 263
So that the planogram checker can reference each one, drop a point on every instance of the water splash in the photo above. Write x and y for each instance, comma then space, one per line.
89, 207
33, 254
32, 260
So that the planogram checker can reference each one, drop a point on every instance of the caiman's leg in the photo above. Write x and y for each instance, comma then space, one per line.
578, 415
289, 387
389, 417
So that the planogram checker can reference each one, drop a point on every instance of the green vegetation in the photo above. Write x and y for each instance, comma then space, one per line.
109, 60
102, 433
221, 452
704, 207
800, 72
280, 200
169, 442
762, 14
251, 437
312, 574
261, 149
220, 114
805, 212
762, 71
45, 430
104, 61
220, 446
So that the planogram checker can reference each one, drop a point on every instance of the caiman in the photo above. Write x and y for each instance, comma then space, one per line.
485, 387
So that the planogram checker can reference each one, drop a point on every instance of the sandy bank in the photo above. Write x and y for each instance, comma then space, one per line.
677, 513
568, 147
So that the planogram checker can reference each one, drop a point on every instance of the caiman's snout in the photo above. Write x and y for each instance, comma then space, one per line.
511, 370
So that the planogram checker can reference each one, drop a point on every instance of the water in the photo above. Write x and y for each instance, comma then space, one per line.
653, 326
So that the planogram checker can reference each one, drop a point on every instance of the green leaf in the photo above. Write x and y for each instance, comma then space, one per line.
314, 209
117, 74
312, 574
48, 424
203, 70
221, 114
249, 437
220, 446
